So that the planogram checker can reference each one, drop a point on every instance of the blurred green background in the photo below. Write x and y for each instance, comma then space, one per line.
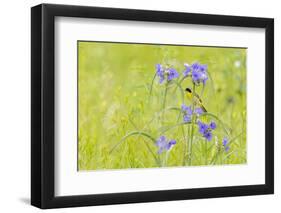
114, 86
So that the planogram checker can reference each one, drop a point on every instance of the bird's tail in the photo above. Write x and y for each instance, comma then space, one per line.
203, 108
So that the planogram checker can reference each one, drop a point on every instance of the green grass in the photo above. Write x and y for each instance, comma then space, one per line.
116, 99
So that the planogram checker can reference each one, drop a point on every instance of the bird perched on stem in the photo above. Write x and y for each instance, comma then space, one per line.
195, 99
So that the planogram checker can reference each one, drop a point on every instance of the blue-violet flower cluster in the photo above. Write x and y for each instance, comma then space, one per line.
187, 112
225, 144
164, 144
198, 73
166, 73
206, 130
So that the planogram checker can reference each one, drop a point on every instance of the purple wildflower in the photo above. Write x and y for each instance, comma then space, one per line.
204, 78
172, 73
225, 144
164, 145
186, 109
187, 70
170, 144
195, 66
198, 111
203, 68
202, 127
160, 73
198, 73
208, 135
187, 113
205, 130
196, 76
186, 118
161, 143
163, 73
213, 125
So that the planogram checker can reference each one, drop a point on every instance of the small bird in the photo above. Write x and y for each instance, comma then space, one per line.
196, 99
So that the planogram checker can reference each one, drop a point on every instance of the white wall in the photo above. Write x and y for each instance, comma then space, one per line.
15, 105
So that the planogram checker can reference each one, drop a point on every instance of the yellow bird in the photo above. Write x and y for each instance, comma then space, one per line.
195, 98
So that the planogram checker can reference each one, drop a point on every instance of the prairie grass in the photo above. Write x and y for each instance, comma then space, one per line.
123, 109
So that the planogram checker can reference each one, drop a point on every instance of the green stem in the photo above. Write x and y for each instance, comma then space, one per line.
151, 88
164, 101
138, 133
192, 130
166, 158
185, 143
206, 152
188, 145
161, 160
179, 83
214, 159
220, 158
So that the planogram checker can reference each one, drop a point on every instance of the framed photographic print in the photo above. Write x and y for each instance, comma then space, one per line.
139, 106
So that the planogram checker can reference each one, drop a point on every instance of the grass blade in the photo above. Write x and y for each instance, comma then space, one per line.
171, 127
151, 87
131, 134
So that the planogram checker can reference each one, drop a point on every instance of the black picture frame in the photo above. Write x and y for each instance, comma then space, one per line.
43, 102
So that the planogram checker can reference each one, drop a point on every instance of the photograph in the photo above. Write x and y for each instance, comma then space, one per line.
152, 105
142, 105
